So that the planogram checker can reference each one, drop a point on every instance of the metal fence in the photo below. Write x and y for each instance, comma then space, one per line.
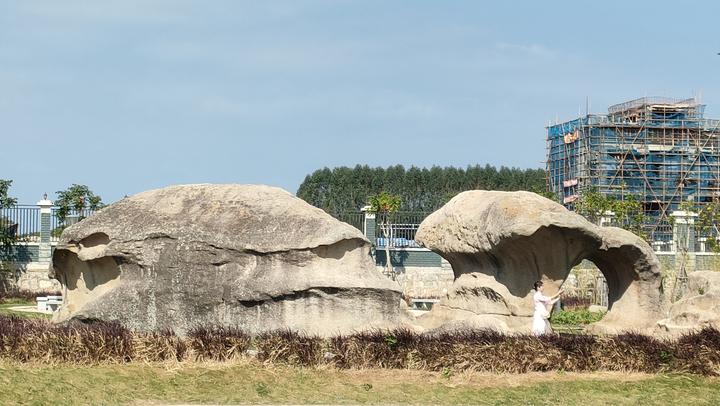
354, 218
23, 221
403, 226
660, 236
707, 239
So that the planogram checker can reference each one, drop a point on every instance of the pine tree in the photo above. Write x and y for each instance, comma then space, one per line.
420, 189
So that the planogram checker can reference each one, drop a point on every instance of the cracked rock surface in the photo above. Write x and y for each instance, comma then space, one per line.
250, 256
500, 243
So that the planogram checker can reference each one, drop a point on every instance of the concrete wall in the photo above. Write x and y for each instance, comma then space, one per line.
31, 276
421, 273
29, 252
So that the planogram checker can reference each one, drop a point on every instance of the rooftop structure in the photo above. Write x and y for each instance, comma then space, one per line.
660, 150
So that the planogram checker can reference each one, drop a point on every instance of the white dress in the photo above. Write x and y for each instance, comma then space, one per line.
541, 325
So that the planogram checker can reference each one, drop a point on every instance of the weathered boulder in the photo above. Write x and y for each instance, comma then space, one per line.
698, 308
250, 256
499, 243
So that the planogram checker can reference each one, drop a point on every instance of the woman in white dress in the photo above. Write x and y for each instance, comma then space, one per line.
543, 304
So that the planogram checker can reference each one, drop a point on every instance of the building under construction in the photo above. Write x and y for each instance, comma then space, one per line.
662, 151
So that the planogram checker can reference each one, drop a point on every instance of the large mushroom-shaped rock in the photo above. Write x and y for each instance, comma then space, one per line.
500, 243
698, 308
250, 256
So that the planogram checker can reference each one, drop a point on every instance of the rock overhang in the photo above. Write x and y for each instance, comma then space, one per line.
506, 240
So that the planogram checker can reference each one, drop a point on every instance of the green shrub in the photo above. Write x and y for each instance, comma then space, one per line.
575, 317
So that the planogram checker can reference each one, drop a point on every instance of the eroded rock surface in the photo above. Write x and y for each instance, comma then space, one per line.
698, 308
250, 256
500, 243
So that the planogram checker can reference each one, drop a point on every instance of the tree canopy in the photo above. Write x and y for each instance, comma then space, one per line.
76, 198
8, 236
420, 189
627, 213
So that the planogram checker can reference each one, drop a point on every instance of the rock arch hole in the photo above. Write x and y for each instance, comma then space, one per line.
585, 286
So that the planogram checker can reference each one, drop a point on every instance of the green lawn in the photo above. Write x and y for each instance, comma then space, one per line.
247, 382
7, 304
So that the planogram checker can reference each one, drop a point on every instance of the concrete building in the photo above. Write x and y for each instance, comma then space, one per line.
660, 151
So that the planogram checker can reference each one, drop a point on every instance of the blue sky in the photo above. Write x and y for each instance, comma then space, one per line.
125, 96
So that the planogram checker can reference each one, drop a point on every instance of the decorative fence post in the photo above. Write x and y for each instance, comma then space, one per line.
45, 249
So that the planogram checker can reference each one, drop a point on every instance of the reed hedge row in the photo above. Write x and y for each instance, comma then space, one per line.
25, 340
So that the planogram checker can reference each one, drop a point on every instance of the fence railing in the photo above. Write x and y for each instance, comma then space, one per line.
403, 236
707, 239
354, 218
660, 237
23, 221
403, 226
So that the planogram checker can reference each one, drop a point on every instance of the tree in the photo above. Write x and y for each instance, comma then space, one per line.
707, 221
420, 189
593, 205
627, 213
78, 199
630, 215
8, 235
383, 205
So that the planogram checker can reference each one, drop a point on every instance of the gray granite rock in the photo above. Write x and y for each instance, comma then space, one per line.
698, 308
500, 243
250, 256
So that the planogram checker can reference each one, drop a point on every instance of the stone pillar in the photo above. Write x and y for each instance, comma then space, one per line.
45, 230
369, 225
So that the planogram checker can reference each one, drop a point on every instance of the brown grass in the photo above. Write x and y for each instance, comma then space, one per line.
25, 341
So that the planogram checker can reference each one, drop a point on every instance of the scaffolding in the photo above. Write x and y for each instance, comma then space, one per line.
660, 150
